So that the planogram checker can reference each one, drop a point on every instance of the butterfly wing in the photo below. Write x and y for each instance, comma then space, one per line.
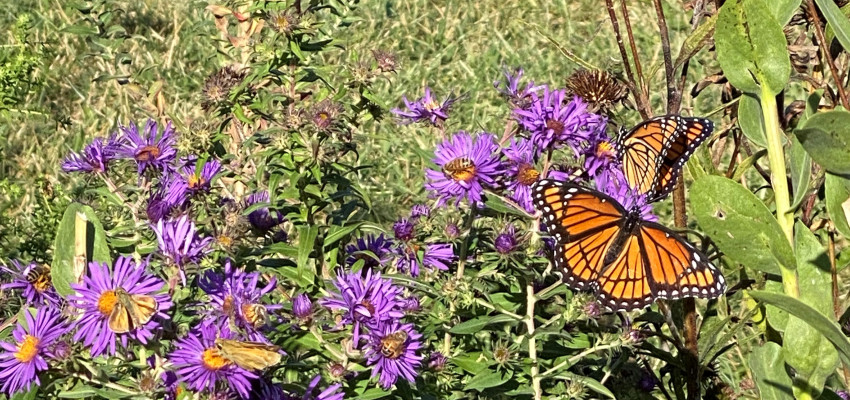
624, 283
142, 308
654, 152
119, 319
584, 223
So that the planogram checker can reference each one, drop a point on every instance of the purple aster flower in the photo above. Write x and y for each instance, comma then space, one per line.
172, 193
200, 366
843, 394
236, 300
96, 298
647, 381
34, 283
615, 185
437, 361
552, 121
262, 218
21, 360
368, 301
506, 241
94, 158
180, 243
418, 211
404, 230
600, 154
392, 353
519, 98
467, 165
302, 307
426, 108
411, 305
520, 172
375, 251
149, 149
198, 178
332, 392
436, 255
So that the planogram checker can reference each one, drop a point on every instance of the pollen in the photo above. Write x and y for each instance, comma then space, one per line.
605, 149
107, 302
195, 181
432, 105
147, 153
213, 360
527, 175
27, 349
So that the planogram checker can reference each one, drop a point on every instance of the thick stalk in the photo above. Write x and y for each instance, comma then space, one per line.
779, 181
531, 300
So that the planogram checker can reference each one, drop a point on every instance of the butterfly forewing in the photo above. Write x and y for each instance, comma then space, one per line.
654, 152
131, 311
249, 355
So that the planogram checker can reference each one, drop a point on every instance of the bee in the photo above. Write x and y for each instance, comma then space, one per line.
131, 311
460, 169
39, 277
248, 355
394, 344
255, 314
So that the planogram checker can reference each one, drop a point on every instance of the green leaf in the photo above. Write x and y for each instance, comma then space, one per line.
488, 379
97, 249
826, 137
696, 41
470, 362
747, 163
28, 395
800, 165
587, 381
740, 224
783, 10
837, 192
768, 368
824, 325
807, 350
306, 241
337, 233
837, 21
751, 46
750, 119
475, 325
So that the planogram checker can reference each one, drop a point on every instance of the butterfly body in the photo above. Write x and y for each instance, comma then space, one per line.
654, 152
626, 261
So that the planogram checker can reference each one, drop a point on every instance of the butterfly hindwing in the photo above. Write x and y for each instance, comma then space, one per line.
654, 152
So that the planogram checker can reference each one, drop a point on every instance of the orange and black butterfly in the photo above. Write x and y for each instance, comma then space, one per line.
626, 261
654, 152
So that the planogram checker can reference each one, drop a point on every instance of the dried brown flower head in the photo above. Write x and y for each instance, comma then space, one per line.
284, 22
387, 61
217, 87
597, 87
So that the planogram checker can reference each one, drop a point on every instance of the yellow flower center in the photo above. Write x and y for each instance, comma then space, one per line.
27, 349
432, 105
107, 302
527, 175
195, 181
605, 149
224, 240
147, 153
213, 360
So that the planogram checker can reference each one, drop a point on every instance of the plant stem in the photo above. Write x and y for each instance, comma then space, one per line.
823, 45
105, 384
486, 304
572, 360
779, 181
531, 300
461, 263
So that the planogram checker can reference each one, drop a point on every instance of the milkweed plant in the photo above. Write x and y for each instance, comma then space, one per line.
262, 235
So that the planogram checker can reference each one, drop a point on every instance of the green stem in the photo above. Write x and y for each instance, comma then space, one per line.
572, 360
461, 264
531, 300
778, 176
110, 385
489, 305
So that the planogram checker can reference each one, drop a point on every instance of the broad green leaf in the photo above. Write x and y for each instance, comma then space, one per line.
475, 325
800, 166
31, 394
837, 21
751, 46
826, 137
783, 10
740, 224
337, 233
777, 318
824, 325
373, 393
488, 379
97, 249
587, 381
807, 350
747, 163
470, 362
768, 368
837, 191
750, 119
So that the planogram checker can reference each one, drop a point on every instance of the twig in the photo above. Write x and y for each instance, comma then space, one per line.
674, 98
633, 46
643, 109
824, 47
531, 300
